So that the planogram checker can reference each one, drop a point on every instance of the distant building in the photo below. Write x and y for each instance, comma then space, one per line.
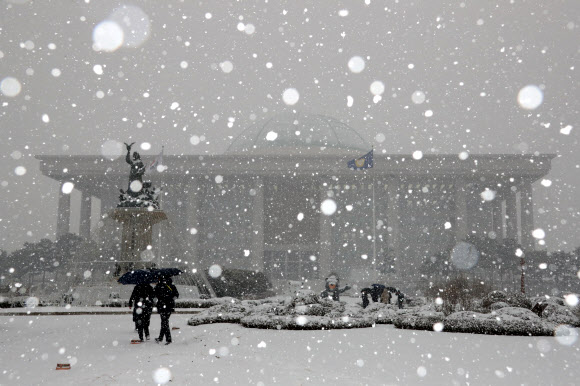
257, 206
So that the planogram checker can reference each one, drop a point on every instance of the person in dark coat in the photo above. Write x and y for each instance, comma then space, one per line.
332, 288
379, 291
141, 301
166, 293
376, 291
400, 296
364, 293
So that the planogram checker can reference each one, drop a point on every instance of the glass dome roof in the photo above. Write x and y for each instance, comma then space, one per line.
299, 133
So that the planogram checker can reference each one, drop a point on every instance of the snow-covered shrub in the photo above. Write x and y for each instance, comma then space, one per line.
505, 321
198, 320
560, 315
459, 293
381, 313
223, 313
416, 301
517, 299
241, 283
262, 301
304, 297
288, 322
514, 299
303, 311
548, 299
494, 297
310, 309
13, 302
422, 319
477, 306
498, 305
512, 313
115, 303
204, 303
576, 311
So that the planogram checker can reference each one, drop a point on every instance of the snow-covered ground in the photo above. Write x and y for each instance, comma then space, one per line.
80, 310
99, 349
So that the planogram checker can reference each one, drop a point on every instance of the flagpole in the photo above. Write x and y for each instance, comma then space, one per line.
374, 219
161, 208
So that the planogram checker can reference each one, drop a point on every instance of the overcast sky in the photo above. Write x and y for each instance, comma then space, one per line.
194, 68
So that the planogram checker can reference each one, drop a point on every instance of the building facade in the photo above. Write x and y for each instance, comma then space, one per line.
258, 206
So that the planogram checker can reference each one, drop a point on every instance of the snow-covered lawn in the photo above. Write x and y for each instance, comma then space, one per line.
99, 349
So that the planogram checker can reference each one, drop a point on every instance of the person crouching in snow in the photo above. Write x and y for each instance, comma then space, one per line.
399, 294
364, 294
333, 290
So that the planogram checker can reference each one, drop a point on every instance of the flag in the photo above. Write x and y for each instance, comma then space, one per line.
364, 162
156, 162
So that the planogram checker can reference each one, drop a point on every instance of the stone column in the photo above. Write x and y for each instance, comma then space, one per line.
85, 223
191, 207
393, 223
181, 199
325, 238
168, 236
460, 210
511, 215
527, 216
497, 218
109, 233
257, 252
63, 215
109, 197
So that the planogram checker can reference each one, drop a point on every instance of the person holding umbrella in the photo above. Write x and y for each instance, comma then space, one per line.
166, 293
142, 302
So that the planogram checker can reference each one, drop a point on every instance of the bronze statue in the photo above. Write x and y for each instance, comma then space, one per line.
137, 166
147, 195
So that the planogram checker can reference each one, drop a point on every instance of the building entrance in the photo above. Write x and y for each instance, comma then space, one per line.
291, 228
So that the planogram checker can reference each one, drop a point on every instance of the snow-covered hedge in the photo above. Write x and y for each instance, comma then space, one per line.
381, 313
114, 303
548, 299
223, 313
302, 322
304, 311
25, 301
13, 302
498, 305
515, 299
416, 301
422, 318
198, 320
560, 315
307, 311
204, 303
505, 321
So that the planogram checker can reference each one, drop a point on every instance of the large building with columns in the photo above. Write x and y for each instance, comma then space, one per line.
258, 205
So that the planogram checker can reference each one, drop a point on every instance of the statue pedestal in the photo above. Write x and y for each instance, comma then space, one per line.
137, 235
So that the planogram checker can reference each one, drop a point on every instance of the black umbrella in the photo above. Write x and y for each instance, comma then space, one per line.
138, 276
166, 272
